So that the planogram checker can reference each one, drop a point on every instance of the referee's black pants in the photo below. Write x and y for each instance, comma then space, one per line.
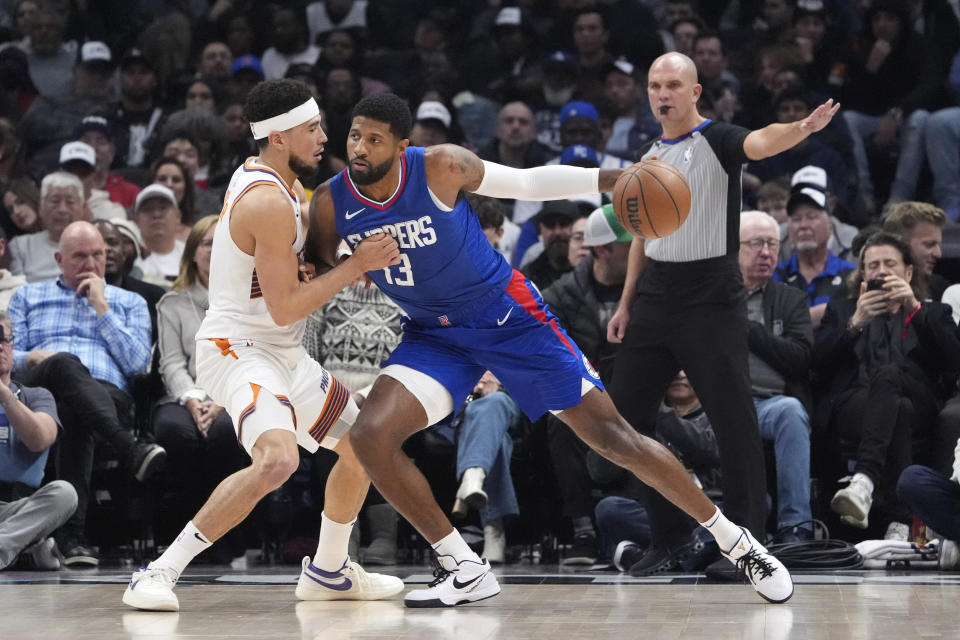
692, 316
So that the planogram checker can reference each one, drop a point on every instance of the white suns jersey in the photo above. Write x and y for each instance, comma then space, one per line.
237, 309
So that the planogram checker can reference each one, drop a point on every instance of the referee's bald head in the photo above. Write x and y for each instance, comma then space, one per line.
675, 62
673, 91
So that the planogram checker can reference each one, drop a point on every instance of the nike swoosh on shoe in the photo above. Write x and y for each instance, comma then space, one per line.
463, 585
321, 579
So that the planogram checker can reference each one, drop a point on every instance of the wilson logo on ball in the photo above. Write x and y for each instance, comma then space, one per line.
651, 199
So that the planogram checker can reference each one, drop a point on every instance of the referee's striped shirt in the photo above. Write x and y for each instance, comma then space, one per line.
711, 158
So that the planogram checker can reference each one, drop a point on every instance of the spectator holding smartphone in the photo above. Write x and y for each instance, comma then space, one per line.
888, 355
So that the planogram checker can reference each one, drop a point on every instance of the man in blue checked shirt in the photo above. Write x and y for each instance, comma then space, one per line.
82, 339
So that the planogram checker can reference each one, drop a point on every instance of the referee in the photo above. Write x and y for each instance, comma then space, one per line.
683, 303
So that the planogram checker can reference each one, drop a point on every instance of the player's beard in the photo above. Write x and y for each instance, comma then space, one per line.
302, 169
375, 173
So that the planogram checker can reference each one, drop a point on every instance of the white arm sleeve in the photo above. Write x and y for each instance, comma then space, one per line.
552, 182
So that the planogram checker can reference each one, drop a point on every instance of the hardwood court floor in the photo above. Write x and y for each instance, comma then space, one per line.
216, 603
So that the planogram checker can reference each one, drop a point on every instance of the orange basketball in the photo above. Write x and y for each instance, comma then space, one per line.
651, 199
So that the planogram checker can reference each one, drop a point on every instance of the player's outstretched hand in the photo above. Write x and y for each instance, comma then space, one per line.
376, 252
820, 117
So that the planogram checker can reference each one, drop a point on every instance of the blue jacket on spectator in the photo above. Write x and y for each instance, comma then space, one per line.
823, 287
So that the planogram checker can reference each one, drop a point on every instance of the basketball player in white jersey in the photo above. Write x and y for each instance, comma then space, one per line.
250, 361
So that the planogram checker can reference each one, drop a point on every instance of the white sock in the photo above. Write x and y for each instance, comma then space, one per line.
185, 548
333, 543
455, 546
724, 532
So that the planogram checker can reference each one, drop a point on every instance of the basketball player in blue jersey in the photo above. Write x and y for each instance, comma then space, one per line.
468, 311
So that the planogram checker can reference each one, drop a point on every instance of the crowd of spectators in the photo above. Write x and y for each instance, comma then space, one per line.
122, 121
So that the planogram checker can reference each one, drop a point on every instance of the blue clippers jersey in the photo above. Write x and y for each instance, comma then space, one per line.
447, 264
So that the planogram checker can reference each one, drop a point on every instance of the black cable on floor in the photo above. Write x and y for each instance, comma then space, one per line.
816, 555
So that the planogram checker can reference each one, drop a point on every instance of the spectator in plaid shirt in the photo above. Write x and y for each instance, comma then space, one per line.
82, 339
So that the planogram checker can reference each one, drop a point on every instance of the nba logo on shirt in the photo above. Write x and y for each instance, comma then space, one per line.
688, 155
444, 321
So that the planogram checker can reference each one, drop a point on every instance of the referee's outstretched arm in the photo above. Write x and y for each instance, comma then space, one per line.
775, 138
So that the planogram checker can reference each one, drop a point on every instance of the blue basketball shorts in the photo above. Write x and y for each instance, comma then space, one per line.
515, 337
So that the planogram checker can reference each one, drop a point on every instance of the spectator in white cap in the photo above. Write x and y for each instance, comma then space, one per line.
97, 132
158, 218
812, 267
53, 117
432, 124
131, 245
80, 159
94, 67
842, 235
61, 202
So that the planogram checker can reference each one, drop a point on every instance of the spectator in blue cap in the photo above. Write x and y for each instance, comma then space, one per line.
579, 155
580, 124
247, 70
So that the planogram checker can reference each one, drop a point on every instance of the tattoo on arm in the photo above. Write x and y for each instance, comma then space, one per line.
466, 165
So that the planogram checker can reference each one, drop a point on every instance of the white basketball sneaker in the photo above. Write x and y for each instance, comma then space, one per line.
351, 582
853, 502
767, 574
151, 590
469, 582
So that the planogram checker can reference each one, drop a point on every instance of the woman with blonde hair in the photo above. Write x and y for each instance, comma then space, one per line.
202, 448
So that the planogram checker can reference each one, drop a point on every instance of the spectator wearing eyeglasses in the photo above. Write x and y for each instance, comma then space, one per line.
812, 268
780, 339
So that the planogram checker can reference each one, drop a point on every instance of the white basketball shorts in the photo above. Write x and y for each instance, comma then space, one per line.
264, 387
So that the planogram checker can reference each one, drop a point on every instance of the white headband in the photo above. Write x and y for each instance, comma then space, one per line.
284, 121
